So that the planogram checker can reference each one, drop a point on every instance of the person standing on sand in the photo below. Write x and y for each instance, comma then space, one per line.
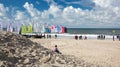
47, 36
80, 37
113, 38
55, 36
76, 37
85, 38
44, 35
119, 37
50, 36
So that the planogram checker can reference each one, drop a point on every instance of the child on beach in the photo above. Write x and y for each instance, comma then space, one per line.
56, 49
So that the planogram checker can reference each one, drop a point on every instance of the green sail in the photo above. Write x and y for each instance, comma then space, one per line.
23, 30
29, 29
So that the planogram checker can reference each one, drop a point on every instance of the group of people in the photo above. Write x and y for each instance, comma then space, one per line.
80, 37
49, 36
118, 37
55, 49
101, 37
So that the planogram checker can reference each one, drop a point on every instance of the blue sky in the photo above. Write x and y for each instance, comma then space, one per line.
69, 13
44, 4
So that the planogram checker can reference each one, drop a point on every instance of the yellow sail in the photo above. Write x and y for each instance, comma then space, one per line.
23, 30
29, 29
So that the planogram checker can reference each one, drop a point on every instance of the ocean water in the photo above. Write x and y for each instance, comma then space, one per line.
105, 31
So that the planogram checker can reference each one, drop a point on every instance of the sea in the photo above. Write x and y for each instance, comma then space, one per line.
91, 33
98, 31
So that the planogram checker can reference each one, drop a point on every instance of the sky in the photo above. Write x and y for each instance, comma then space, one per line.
68, 13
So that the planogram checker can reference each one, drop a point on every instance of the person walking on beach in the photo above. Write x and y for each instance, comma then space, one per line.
85, 38
56, 49
50, 36
119, 37
113, 38
44, 35
104, 37
55, 36
47, 36
80, 37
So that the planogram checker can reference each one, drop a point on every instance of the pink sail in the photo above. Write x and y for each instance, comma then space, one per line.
63, 30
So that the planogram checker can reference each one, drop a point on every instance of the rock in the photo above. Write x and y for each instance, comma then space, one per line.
19, 60
26, 61
33, 53
61, 61
45, 59
36, 57
1, 63
22, 54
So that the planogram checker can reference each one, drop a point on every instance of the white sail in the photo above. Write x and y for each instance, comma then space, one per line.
17, 27
38, 28
1, 27
9, 27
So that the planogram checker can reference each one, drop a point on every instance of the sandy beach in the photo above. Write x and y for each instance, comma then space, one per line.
103, 52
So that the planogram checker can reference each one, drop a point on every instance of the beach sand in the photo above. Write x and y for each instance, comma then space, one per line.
101, 52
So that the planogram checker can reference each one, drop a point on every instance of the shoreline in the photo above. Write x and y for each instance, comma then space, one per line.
89, 36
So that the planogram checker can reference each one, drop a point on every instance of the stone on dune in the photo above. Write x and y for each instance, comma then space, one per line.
45, 59
26, 61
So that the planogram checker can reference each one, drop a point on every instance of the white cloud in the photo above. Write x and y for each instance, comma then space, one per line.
4, 14
30, 8
71, 2
19, 15
103, 3
3, 10
51, 2
34, 13
86, 3
106, 13
54, 10
107, 3
22, 17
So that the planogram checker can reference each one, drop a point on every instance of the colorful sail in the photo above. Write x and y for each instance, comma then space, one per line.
23, 30
63, 29
59, 29
29, 28
53, 29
